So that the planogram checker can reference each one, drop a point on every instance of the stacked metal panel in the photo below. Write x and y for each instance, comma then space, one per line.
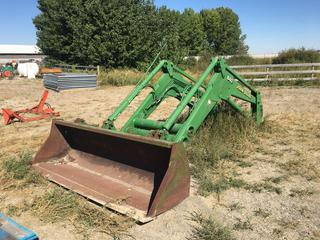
59, 82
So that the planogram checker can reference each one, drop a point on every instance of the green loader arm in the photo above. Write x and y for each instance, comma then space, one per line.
219, 83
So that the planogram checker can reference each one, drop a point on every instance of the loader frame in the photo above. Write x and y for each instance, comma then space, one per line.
142, 169
219, 83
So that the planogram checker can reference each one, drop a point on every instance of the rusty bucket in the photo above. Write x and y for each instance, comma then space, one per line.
137, 176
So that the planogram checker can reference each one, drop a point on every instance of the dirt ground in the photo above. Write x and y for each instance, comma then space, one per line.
287, 160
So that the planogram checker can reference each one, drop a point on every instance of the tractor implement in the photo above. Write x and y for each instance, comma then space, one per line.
141, 170
40, 112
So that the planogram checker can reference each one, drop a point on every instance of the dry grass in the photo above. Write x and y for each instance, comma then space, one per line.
302, 167
218, 148
120, 77
58, 205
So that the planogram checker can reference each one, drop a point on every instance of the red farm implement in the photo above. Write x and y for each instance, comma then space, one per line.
39, 112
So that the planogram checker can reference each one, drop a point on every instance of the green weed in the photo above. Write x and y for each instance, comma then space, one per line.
278, 232
207, 185
263, 186
301, 192
288, 223
301, 167
243, 164
235, 206
242, 225
276, 180
17, 171
262, 213
208, 229
12, 210
18, 168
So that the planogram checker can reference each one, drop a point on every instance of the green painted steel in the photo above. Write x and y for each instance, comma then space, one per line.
199, 98
7, 68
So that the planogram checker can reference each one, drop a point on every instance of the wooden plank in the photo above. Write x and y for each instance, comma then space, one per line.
279, 72
281, 79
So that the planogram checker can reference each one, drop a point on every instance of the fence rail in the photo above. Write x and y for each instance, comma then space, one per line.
296, 71
278, 65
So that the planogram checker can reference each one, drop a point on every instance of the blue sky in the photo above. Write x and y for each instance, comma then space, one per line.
270, 25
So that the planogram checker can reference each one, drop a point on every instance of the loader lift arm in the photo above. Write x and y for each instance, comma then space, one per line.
218, 83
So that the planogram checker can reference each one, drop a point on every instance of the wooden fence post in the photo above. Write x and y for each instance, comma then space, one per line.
98, 70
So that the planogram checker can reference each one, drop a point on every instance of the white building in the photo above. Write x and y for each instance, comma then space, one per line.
20, 53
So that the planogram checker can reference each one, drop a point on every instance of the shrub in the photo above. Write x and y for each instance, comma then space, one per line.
261, 61
300, 55
240, 60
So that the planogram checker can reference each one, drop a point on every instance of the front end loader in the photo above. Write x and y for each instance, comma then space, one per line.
141, 169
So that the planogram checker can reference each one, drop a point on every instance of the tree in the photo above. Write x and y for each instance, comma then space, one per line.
211, 22
168, 34
129, 33
223, 32
192, 36
52, 29
112, 33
